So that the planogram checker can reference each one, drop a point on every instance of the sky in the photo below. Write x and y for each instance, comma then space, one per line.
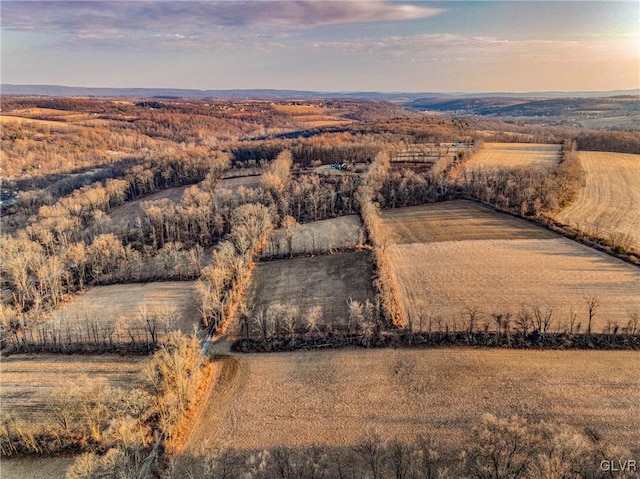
364, 45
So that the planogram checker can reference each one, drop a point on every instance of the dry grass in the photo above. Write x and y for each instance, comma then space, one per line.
28, 382
455, 221
335, 397
8, 119
35, 467
325, 235
127, 213
227, 189
326, 281
515, 155
608, 205
230, 187
452, 256
106, 305
312, 116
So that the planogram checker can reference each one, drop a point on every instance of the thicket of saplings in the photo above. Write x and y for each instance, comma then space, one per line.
285, 328
139, 333
91, 415
495, 448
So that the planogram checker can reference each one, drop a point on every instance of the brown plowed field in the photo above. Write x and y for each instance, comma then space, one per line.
327, 281
608, 205
452, 256
335, 397
515, 155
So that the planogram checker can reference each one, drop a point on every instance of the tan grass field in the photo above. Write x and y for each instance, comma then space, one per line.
8, 119
455, 220
226, 189
48, 117
327, 281
311, 116
28, 382
123, 303
127, 213
515, 155
230, 187
324, 235
608, 205
454, 256
35, 467
335, 397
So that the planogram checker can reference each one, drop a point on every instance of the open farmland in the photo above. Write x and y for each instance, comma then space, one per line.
126, 214
311, 115
452, 257
9, 119
318, 236
608, 204
326, 281
334, 397
32, 384
493, 156
123, 305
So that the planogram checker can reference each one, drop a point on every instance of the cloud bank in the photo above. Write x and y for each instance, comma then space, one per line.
82, 17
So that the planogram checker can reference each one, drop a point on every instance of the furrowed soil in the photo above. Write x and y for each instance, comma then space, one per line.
333, 398
608, 205
124, 304
451, 257
318, 236
515, 155
327, 281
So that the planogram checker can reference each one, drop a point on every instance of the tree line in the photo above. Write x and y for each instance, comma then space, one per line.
285, 328
494, 448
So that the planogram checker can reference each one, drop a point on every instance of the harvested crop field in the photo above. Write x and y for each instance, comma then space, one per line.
608, 205
312, 116
515, 155
105, 305
327, 281
29, 383
318, 236
334, 397
458, 220
450, 257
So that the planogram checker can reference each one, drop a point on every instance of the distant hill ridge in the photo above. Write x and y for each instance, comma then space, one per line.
57, 90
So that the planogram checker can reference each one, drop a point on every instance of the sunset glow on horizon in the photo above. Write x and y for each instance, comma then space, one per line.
451, 46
